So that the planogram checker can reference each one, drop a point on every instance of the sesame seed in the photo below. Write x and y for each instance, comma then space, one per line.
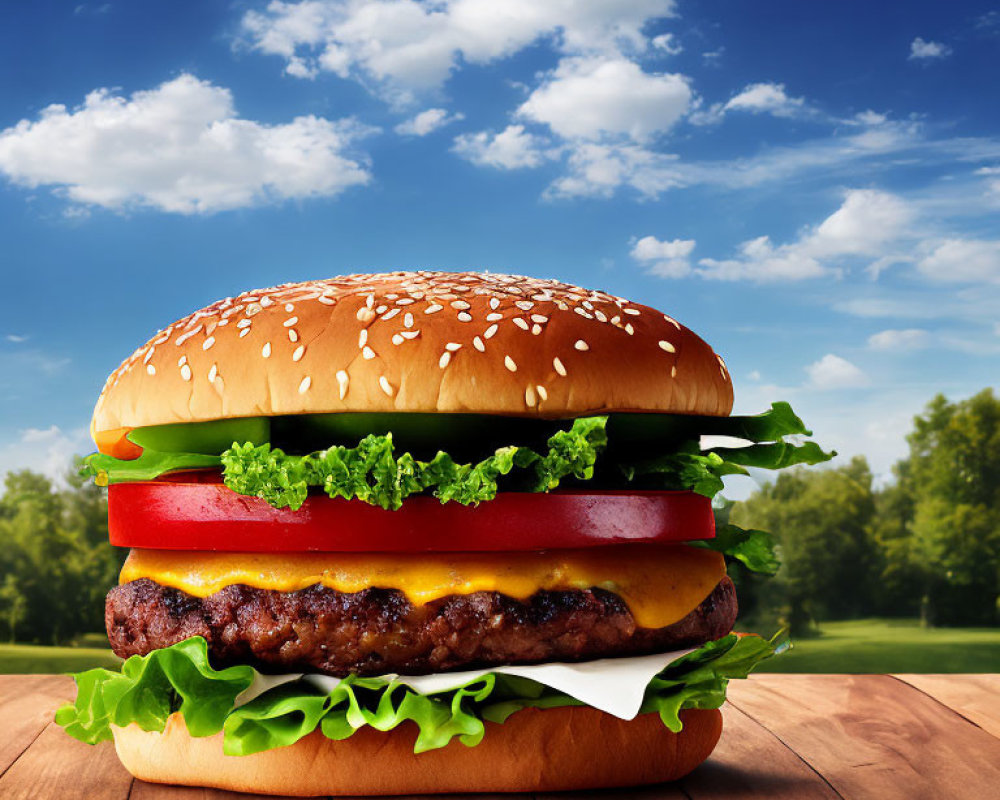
391, 314
464, 316
478, 344
581, 345
326, 300
529, 397
244, 332
558, 366
397, 339
539, 318
672, 321
616, 319
266, 301
208, 343
182, 361
342, 381
432, 308
494, 303
266, 350
369, 302
293, 335
150, 369
673, 371
524, 305
408, 320
186, 372
299, 352
629, 329
365, 314
290, 321
723, 371
494, 317
665, 345
543, 393
185, 336
219, 385
368, 353
149, 355
386, 386
445, 358
582, 312
289, 307
601, 316
405, 301
588, 305
490, 331
381, 309
635, 312
536, 329
409, 334
213, 372
363, 337
451, 347
521, 323
509, 363
461, 305
304, 385
244, 323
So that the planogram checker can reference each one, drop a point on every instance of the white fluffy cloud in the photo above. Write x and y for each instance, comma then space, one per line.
921, 50
404, 46
46, 450
592, 97
512, 148
427, 122
962, 261
765, 97
600, 169
756, 98
901, 339
180, 147
864, 224
668, 43
834, 372
667, 259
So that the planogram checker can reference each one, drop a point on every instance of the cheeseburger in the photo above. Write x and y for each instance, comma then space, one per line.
423, 532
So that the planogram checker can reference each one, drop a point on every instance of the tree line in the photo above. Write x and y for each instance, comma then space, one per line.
927, 544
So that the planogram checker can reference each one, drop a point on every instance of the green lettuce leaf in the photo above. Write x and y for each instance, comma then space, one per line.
371, 472
752, 548
180, 679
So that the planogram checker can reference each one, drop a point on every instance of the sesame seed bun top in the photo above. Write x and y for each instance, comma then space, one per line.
416, 342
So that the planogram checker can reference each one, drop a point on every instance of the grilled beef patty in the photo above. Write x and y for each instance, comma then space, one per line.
376, 631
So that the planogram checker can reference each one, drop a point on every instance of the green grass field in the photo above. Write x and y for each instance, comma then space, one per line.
891, 645
23, 658
870, 645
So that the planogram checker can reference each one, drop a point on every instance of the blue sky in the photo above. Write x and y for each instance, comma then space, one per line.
814, 188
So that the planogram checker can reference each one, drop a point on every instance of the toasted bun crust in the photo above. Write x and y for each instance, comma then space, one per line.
416, 342
534, 751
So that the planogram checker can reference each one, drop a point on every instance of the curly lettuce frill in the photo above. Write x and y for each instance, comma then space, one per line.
180, 679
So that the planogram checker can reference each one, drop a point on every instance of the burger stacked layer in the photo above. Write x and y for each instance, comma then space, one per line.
372, 515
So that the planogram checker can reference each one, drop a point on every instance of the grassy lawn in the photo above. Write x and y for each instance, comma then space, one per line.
870, 645
36, 658
892, 645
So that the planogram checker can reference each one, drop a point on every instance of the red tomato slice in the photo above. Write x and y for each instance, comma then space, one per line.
173, 515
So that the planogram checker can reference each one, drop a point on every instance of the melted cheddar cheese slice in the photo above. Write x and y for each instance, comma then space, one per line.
660, 584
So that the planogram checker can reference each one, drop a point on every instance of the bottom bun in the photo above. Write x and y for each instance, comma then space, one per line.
533, 751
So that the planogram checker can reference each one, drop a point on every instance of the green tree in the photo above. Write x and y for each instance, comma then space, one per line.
821, 520
952, 479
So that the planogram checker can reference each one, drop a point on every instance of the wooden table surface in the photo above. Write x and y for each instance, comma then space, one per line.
785, 736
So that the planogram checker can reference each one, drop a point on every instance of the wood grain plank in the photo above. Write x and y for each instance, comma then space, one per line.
59, 766
664, 791
872, 736
750, 762
27, 703
975, 697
